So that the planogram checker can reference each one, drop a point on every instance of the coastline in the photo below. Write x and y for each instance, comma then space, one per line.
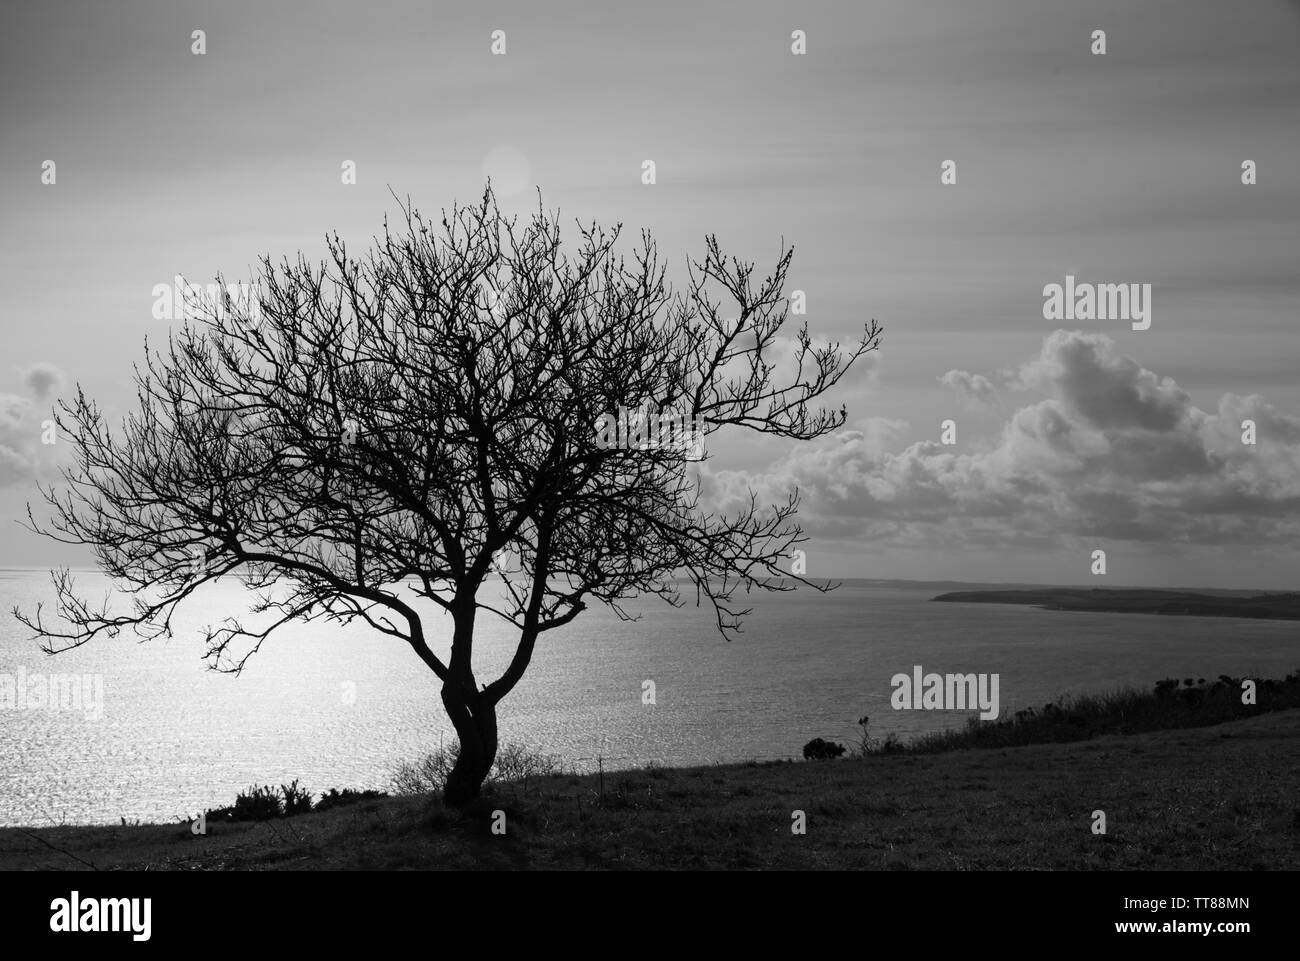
1282, 605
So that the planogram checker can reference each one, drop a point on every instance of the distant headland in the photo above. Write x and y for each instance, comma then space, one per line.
1278, 606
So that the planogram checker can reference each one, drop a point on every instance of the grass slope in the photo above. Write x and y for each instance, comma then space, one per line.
1220, 797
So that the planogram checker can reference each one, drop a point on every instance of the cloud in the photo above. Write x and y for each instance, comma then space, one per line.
1111, 451
43, 380
19, 433
23, 455
975, 388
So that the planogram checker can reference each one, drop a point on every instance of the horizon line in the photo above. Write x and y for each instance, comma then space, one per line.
883, 580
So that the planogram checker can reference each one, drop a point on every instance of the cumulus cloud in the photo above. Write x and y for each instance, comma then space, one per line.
17, 452
23, 454
1112, 450
974, 388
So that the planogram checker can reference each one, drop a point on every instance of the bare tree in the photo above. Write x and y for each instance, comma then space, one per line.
368, 434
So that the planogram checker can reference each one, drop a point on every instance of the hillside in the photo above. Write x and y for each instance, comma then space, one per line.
1218, 797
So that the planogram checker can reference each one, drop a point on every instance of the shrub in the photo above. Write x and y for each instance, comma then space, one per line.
334, 798
819, 750
258, 804
255, 804
295, 799
264, 803
514, 762
892, 744
428, 774
868, 745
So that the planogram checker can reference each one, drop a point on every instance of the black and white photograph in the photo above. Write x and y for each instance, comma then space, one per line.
627, 437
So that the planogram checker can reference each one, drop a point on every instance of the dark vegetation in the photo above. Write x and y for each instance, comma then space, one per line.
1170, 704
869, 744
1279, 606
513, 762
820, 750
265, 803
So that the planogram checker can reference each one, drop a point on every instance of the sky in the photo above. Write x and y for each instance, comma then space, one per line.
1070, 435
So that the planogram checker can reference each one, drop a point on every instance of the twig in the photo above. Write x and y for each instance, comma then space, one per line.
55, 847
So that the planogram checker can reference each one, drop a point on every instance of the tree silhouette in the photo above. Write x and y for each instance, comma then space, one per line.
370, 433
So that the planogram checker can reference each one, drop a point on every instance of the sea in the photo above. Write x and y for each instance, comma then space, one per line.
345, 706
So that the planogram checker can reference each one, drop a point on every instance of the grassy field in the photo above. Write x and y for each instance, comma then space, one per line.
1219, 797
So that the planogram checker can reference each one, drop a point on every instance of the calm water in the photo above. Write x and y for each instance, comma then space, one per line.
343, 708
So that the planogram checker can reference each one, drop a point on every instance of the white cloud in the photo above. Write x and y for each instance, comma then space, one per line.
974, 388
1112, 451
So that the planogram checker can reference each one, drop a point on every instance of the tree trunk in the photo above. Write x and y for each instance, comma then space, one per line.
475, 721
